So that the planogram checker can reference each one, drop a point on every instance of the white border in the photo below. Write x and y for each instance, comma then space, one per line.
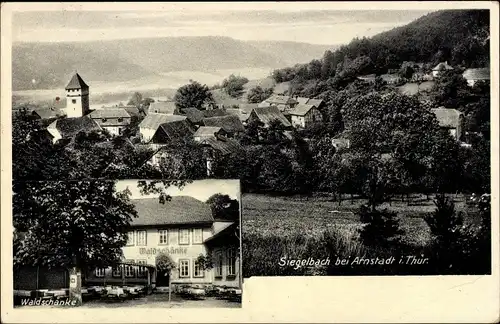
459, 299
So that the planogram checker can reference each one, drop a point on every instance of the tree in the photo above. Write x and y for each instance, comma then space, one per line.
72, 224
400, 138
233, 85
34, 156
406, 71
146, 102
165, 264
448, 240
193, 95
258, 94
223, 207
183, 159
451, 90
381, 228
135, 100
205, 262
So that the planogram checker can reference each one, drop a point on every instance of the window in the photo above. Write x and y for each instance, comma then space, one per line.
197, 235
100, 272
197, 270
120, 120
73, 101
141, 238
231, 264
163, 237
128, 269
104, 120
117, 271
120, 130
141, 271
130, 240
184, 236
183, 268
218, 265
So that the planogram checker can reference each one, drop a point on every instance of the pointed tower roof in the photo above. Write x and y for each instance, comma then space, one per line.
76, 82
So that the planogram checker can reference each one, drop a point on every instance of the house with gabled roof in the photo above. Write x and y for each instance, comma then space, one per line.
304, 115
184, 228
68, 128
218, 146
441, 67
282, 102
56, 108
114, 120
162, 107
267, 114
450, 119
474, 75
172, 131
204, 132
149, 125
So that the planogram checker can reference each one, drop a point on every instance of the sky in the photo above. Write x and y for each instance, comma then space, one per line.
199, 189
317, 23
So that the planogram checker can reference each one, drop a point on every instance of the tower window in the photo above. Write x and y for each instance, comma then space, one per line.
73, 101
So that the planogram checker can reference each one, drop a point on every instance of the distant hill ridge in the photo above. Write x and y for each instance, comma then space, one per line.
49, 64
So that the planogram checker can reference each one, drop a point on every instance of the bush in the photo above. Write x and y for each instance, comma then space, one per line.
381, 228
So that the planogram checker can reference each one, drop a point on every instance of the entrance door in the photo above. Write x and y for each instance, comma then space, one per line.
162, 279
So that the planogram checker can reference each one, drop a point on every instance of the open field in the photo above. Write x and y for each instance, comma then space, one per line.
284, 216
319, 229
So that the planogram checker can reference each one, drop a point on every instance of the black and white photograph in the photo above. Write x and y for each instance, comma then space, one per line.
127, 243
368, 155
166, 155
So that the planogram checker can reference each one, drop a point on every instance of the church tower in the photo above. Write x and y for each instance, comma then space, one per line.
77, 96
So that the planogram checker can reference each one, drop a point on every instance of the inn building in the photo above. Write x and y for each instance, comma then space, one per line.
185, 229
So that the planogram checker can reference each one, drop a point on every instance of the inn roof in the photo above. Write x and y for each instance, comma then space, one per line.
180, 210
